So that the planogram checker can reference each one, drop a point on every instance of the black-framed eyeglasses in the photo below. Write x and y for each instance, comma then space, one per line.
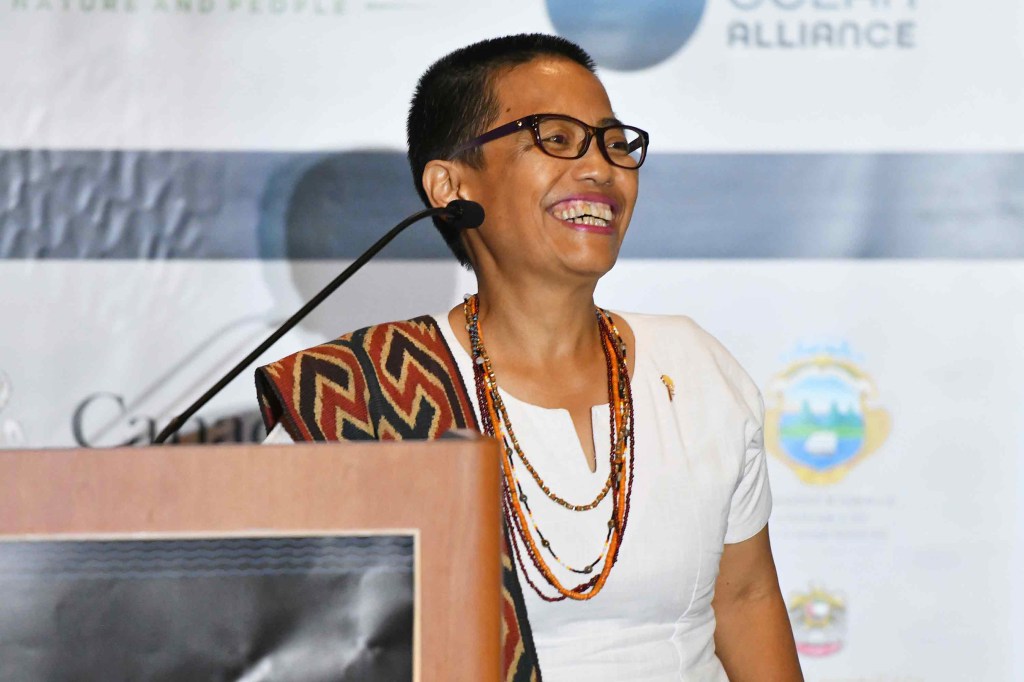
565, 137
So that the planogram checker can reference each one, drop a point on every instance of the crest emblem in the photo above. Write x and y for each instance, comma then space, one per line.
822, 418
818, 618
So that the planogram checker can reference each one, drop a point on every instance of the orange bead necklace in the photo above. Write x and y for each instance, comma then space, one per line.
518, 515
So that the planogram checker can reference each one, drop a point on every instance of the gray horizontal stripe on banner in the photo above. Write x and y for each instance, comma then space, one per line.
214, 205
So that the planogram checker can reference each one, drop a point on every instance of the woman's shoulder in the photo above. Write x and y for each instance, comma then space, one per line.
675, 334
376, 340
678, 345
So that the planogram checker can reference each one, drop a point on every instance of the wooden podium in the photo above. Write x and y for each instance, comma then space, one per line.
443, 494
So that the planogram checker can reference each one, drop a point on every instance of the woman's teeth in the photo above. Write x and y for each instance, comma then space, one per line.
584, 213
587, 220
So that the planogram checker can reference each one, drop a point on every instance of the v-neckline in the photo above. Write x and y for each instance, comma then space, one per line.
465, 363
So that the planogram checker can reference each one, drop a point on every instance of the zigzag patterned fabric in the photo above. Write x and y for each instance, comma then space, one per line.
390, 381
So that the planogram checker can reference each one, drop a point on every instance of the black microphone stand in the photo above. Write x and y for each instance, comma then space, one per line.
180, 420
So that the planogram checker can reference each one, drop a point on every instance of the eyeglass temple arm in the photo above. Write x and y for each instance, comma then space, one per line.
500, 131
638, 143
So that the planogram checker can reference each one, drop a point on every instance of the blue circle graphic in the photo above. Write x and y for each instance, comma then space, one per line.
627, 35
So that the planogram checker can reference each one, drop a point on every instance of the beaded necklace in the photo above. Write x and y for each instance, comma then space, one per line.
515, 505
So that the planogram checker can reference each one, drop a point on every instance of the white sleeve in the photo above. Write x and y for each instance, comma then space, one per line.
751, 503
278, 436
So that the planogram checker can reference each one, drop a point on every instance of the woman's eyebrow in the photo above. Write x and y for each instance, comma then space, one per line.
609, 121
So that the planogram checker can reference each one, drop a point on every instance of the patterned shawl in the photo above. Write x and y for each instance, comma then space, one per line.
389, 382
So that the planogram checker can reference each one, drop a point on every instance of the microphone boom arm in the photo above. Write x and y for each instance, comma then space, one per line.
358, 263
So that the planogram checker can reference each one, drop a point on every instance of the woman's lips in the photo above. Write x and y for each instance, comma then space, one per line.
587, 213
583, 227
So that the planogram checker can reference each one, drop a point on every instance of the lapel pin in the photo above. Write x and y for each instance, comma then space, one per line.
670, 385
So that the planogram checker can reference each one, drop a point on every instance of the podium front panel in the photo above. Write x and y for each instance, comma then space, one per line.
304, 562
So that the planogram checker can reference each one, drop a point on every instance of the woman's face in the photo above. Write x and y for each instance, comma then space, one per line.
530, 198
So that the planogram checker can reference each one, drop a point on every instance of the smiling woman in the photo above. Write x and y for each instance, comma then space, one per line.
649, 560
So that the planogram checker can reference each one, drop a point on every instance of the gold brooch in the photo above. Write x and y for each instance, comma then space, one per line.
670, 385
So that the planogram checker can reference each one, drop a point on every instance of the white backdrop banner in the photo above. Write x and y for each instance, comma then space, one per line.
835, 190
708, 75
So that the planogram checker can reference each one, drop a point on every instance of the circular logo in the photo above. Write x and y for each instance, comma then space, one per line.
627, 36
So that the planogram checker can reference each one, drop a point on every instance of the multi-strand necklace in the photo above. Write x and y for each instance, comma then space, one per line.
519, 517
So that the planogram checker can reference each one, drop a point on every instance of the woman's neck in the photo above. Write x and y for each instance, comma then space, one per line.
543, 324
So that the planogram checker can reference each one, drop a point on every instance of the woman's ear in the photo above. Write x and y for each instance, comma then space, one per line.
441, 182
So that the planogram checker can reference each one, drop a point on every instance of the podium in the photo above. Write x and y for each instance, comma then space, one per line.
310, 561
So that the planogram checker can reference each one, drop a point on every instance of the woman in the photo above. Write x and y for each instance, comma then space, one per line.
646, 561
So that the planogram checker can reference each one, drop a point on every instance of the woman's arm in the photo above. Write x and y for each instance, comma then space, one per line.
753, 637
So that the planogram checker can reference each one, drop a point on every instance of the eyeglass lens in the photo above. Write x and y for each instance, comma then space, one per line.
564, 138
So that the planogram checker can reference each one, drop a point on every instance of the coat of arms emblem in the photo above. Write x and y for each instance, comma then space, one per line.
818, 618
822, 418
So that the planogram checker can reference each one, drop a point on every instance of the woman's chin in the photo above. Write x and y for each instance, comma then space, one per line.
592, 265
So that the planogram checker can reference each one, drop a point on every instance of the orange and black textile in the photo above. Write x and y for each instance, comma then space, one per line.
390, 381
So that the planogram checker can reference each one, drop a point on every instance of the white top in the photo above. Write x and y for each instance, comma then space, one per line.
700, 481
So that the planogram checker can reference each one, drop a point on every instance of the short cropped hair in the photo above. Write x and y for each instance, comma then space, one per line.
455, 102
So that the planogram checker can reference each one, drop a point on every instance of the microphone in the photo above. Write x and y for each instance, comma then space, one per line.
463, 214
459, 214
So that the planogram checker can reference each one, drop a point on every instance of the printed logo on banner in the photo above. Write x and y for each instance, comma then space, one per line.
11, 433
628, 36
823, 25
108, 420
200, 8
822, 419
818, 619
